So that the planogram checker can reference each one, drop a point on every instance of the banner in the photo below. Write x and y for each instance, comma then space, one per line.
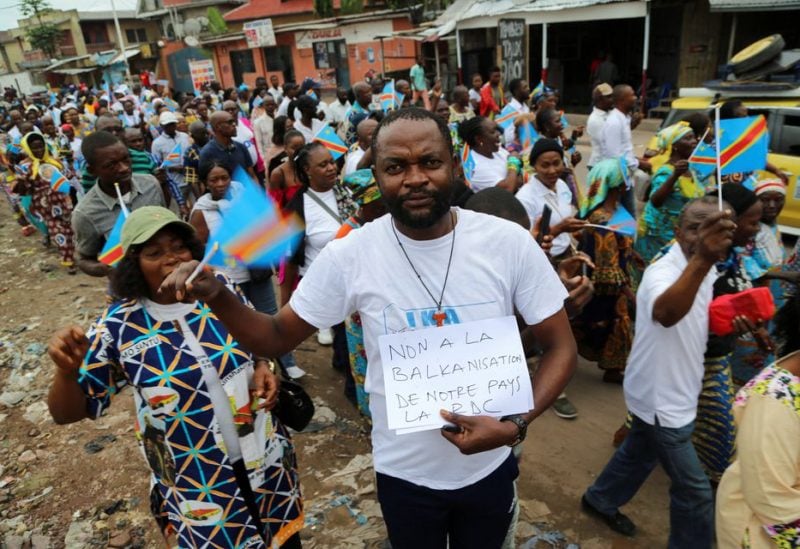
259, 33
202, 73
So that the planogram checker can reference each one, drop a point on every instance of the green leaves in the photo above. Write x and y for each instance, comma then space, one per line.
216, 24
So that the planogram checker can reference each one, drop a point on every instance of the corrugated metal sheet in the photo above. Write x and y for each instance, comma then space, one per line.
753, 5
463, 10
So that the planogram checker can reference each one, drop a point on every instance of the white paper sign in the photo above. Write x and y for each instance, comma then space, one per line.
475, 368
259, 34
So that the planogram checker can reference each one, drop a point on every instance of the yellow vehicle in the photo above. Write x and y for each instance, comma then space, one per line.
782, 111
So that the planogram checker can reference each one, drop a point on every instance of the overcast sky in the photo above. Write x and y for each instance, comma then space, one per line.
9, 9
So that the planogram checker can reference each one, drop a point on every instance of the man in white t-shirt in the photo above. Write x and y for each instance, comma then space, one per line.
519, 90
337, 109
305, 117
439, 484
364, 130
663, 381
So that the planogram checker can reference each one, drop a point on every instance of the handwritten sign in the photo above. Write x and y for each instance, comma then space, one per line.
475, 368
513, 48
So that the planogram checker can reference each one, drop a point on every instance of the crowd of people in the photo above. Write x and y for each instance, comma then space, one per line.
447, 208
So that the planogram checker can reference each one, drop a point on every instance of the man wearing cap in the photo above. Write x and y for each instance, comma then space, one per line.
108, 160
602, 100
163, 145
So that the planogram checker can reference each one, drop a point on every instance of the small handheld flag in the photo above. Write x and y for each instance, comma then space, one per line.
506, 116
112, 253
527, 135
174, 159
703, 160
253, 232
58, 181
388, 97
622, 221
240, 174
467, 164
744, 143
537, 90
313, 94
327, 136
257, 101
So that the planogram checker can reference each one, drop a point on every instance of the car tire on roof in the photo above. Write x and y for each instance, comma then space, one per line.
757, 53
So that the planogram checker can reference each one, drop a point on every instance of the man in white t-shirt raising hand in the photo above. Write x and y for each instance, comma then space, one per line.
425, 261
663, 380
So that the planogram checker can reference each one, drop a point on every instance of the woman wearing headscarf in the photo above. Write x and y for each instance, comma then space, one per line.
672, 186
604, 330
714, 430
49, 205
223, 467
758, 501
367, 194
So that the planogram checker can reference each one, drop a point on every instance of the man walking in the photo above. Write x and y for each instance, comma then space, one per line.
438, 486
663, 380
602, 101
419, 85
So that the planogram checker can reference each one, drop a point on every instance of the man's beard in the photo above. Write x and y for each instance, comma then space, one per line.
441, 205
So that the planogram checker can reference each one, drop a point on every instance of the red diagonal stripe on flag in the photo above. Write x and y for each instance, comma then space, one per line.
333, 146
749, 137
112, 256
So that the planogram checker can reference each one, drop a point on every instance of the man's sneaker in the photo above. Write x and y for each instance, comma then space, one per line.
325, 337
564, 408
295, 372
617, 522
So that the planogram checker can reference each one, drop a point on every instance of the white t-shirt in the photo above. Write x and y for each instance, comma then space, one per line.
489, 172
594, 127
496, 268
474, 95
616, 138
534, 195
246, 137
283, 107
353, 158
664, 374
309, 133
321, 227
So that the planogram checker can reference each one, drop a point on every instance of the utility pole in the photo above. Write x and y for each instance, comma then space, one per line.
121, 43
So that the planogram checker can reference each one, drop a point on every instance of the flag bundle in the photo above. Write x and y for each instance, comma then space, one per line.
327, 136
253, 232
506, 116
743, 143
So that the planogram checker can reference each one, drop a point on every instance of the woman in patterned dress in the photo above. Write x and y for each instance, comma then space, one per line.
223, 468
54, 208
604, 329
673, 185
758, 501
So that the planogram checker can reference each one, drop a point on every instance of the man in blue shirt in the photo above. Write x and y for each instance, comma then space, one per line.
223, 147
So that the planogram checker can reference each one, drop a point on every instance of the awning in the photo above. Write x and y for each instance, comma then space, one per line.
65, 61
754, 5
128, 54
71, 72
478, 14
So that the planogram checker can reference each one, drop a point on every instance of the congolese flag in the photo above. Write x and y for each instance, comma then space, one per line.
112, 251
253, 232
58, 181
468, 164
327, 136
506, 116
527, 135
174, 158
622, 221
743, 144
703, 160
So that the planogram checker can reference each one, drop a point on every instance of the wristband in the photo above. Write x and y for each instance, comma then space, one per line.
514, 163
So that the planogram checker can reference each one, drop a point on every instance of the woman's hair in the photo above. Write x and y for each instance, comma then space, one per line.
209, 164
226, 95
468, 130
279, 130
543, 118
302, 159
787, 325
291, 108
127, 279
728, 109
699, 122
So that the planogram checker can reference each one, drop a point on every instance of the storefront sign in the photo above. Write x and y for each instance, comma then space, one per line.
352, 34
259, 34
513, 48
202, 73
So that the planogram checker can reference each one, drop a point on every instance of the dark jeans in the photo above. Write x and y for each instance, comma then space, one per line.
476, 516
262, 295
691, 511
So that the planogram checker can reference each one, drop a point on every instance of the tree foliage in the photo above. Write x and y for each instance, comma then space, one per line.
323, 8
44, 36
350, 7
216, 23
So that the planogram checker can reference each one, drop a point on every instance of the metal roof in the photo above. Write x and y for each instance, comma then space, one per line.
754, 5
483, 13
65, 61
73, 72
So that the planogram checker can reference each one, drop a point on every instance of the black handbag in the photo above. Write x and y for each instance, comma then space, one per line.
295, 408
